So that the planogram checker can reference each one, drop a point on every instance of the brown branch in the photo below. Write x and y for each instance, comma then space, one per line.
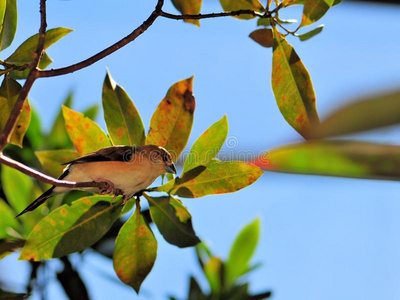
121, 43
33, 75
215, 15
45, 178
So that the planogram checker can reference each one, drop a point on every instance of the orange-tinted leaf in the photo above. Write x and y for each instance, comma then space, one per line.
189, 7
9, 92
172, 121
52, 160
122, 118
218, 177
135, 251
335, 158
71, 228
263, 37
85, 134
292, 87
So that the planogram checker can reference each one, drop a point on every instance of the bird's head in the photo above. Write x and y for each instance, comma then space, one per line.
160, 158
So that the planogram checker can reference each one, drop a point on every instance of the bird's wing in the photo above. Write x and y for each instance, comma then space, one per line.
114, 153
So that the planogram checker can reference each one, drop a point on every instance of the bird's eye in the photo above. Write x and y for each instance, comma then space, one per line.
165, 158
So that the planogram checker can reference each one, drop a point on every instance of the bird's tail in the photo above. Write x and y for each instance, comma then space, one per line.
40, 200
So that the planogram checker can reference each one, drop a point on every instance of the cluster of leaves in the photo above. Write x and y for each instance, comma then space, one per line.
72, 228
225, 277
294, 93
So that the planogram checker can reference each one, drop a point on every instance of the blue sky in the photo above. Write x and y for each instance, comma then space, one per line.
322, 238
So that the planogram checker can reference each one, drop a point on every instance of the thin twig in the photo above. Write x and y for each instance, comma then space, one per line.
213, 15
121, 43
33, 75
45, 178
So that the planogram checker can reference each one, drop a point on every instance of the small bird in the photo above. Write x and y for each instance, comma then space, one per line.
128, 170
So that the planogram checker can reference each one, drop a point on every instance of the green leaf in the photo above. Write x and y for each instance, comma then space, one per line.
314, 10
263, 37
45, 61
195, 291
122, 118
212, 270
336, 2
6, 248
207, 145
231, 5
8, 20
20, 191
91, 112
241, 252
17, 187
172, 121
292, 87
135, 251
52, 160
369, 113
335, 158
58, 137
263, 22
308, 35
34, 132
7, 219
219, 177
25, 52
189, 7
69, 229
85, 134
9, 92
173, 220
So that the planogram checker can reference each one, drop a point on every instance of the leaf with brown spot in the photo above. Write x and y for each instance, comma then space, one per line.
52, 160
218, 177
263, 37
172, 121
135, 251
71, 228
173, 220
122, 118
189, 7
231, 5
84, 133
9, 92
292, 87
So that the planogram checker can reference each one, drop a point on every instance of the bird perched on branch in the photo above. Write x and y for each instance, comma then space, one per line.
128, 170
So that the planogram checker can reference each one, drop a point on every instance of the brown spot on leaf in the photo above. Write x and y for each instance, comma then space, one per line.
120, 131
189, 102
168, 101
300, 119
52, 222
63, 211
87, 125
294, 58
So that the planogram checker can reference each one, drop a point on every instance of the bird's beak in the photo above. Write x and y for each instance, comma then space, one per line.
171, 169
